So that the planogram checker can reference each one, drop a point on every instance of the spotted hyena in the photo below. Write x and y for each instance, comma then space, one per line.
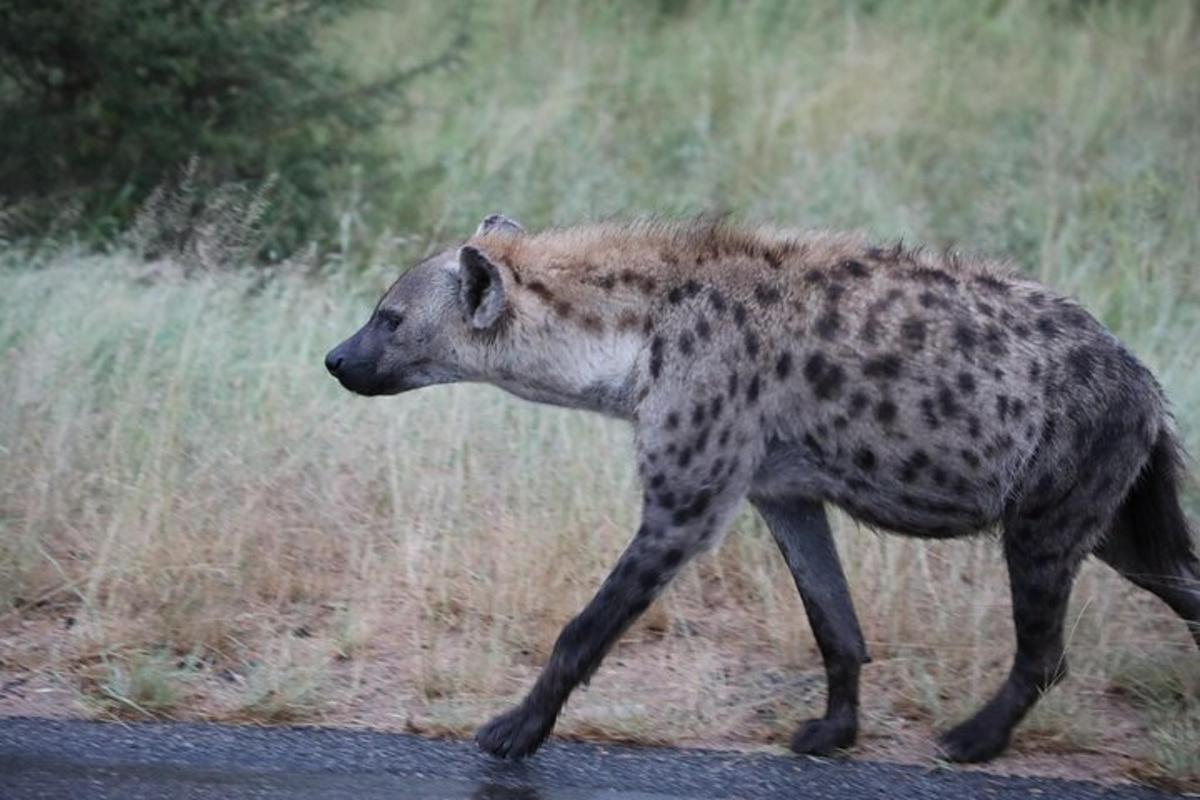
928, 395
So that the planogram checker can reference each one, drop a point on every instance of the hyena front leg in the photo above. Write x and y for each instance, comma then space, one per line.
679, 519
801, 529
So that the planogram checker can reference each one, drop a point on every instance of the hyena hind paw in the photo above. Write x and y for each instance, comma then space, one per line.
824, 736
973, 741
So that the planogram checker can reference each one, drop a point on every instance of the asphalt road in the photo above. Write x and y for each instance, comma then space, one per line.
88, 761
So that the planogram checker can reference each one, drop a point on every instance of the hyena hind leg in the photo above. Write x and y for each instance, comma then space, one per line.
1043, 556
801, 529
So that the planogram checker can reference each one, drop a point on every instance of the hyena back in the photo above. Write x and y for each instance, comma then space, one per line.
927, 395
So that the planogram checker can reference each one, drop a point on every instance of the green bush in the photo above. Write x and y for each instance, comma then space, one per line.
101, 99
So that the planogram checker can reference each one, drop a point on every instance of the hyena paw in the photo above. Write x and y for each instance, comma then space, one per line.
823, 737
515, 734
973, 741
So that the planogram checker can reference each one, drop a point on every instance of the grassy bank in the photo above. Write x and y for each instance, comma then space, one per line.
196, 521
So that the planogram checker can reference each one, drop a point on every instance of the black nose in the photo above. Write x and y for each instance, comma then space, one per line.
333, 361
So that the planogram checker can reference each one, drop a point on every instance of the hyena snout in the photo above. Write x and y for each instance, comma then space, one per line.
356, 368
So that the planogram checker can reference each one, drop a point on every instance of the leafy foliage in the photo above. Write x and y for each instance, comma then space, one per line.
102, 98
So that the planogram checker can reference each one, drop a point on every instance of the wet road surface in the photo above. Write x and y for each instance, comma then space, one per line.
89, 761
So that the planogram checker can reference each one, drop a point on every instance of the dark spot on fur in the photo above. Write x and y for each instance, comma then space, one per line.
996, 341
658, 480
825, 377
723, 439
1002, 407
606, 282
656, 356
814, 276
912, 330
992, 283
693, 509
672, 421
1047, 326
675, 296
753, 388
717, 301
964, 336
767, 294
686, 343
541, 290
685, 457
1081, 361
593, 323
966, 382
930, 299
851, 269
1075, 317
714, 407
666, 500
703, 329
864, 459
733, 385
1035, 371
858, 403
939, 476
1021, 330
783, 367
947, 403
974, 426
698, 414
912, 466
751, 340
829, 323
885, 367
672, 558
885, 412
834, 292
930, 275
970, 457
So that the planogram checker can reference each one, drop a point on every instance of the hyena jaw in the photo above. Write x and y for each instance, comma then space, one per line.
928, 395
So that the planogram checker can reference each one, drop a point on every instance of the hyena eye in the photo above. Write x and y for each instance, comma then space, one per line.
390, 320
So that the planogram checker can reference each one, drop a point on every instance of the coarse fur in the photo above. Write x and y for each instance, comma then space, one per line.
926, 394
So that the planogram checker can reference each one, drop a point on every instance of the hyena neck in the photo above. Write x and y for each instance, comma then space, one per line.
593, 373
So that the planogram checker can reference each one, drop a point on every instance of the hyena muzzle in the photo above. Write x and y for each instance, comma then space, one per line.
927, 395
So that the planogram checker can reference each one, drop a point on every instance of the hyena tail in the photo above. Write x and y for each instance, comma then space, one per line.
1150, 542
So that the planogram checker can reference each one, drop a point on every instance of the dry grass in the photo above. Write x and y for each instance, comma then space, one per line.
196, 521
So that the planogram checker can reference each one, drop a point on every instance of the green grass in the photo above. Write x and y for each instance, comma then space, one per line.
179, 475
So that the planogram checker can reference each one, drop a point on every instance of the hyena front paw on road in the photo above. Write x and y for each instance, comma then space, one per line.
928, 395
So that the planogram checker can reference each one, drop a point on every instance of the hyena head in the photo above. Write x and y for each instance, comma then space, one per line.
438, 323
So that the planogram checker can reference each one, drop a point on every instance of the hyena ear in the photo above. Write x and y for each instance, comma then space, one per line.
498, 223
480, 289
